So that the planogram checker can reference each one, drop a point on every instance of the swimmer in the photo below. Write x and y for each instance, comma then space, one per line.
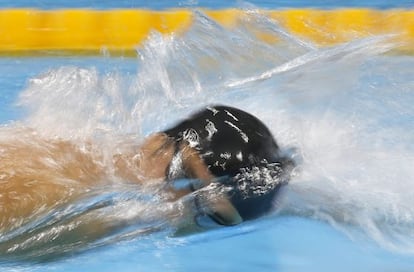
217, 145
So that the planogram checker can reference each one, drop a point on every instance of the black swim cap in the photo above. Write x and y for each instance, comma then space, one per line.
237, 145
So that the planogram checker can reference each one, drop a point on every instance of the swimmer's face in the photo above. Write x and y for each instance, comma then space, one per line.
246, 196
254, 188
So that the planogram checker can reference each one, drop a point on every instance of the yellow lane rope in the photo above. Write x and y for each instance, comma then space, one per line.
81, 30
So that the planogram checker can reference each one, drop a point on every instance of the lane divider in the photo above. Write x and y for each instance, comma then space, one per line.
77, 31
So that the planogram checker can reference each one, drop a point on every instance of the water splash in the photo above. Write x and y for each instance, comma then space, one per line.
345, 113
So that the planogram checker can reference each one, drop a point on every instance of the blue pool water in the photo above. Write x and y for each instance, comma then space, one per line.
345, 113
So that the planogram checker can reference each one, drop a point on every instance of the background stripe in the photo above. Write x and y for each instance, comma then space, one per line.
91, 31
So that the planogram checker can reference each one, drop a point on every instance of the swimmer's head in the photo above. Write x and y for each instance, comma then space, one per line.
240, 151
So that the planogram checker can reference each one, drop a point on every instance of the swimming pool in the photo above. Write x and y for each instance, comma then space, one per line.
344, 111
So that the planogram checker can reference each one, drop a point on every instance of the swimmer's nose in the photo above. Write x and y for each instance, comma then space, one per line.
220, 209
224, 213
